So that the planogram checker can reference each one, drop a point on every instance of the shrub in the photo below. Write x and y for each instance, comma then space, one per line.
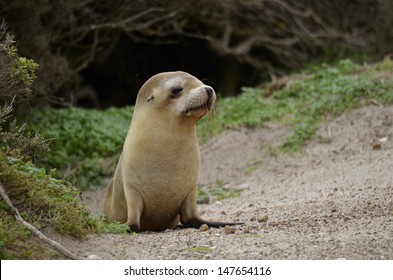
85, 144
16, 73
40, 199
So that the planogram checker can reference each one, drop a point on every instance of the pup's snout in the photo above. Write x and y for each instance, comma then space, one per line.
209, 91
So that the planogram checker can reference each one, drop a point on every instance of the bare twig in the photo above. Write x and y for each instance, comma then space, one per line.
90, 55
59, 248
128, 21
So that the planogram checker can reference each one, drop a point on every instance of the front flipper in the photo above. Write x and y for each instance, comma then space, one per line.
134, 208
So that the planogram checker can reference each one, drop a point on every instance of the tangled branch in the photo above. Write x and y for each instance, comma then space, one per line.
65, 37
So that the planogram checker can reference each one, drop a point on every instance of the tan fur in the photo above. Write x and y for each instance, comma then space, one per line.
154, 185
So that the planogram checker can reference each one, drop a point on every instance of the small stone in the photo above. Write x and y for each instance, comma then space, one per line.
253, 218
262, 218
229, 230
273, 224
377, 146
246, 230
204, 227
383, 140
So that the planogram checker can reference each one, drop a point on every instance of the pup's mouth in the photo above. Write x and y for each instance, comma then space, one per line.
198, 106
204, 106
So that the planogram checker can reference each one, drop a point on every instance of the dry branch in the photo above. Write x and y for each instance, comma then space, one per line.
59, 248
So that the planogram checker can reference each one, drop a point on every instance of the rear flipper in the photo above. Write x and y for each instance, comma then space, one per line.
196, 223
190, 218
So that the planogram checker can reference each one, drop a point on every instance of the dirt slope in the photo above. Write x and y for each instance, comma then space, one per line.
335, 200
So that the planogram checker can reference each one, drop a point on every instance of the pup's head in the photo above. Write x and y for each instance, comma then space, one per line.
177, 93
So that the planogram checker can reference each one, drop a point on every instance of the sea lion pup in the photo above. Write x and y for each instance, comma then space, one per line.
155, 183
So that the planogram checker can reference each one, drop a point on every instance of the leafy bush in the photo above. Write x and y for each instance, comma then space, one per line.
23, 69
85, 144
16, 73
40, 198
43, 199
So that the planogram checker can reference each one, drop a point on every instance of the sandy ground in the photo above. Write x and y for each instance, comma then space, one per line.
334, 201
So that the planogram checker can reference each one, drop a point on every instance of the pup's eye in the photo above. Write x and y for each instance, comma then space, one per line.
176, 92
150, 98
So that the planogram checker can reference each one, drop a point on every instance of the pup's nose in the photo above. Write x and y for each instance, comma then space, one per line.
209, 91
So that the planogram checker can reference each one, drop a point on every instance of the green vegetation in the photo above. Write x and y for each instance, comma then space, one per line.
200, 249
252, 235
218, 192
85, 144
50, 200
24, 70
40, 198
114, 227
251, 168
17, 73
36, 195
302, 101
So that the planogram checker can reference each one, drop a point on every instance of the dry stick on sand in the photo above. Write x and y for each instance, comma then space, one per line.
59, 248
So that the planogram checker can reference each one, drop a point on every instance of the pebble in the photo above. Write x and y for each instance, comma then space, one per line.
229, 230
262, 218
204, 227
